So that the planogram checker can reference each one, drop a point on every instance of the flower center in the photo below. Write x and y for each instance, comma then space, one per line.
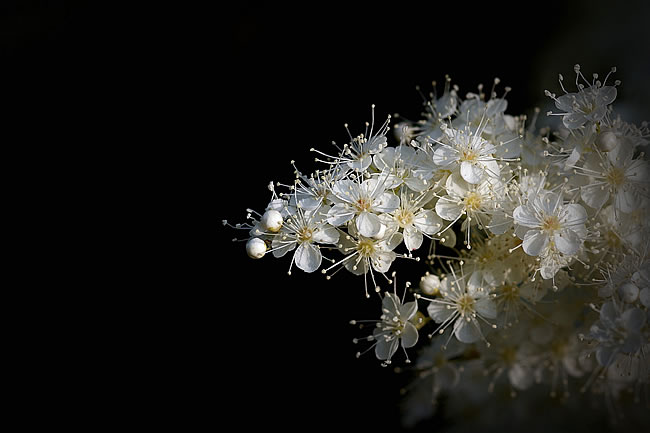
615, 176
473, 201
404, 217
550, 223
366, 248
468, 155
363, 204
465, 305
305, 234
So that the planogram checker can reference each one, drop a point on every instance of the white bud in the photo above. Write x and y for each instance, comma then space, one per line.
606, 141
430, 284
272, 220
255, 248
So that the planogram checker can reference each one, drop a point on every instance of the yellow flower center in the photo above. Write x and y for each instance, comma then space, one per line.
305, 234
468, 155
363, 204
615, 176
550, 223
465, 305
366, 248
404, 217
473, 201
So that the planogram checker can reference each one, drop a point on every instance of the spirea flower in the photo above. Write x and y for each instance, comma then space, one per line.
549, 220
464, 305
569, 202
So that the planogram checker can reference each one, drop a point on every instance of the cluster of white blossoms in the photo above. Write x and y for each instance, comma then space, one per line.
535, 242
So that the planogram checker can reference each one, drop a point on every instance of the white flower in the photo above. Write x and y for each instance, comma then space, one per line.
470, 152
358, 153
407, 166
477, 201
618, 330
363, 254
304, 230
588, 104
394, 328
463, 304
549, 220
362, 201
414, 221
616, 174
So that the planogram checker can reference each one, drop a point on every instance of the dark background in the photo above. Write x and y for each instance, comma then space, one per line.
295, 75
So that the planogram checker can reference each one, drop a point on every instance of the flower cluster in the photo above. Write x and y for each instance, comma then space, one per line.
544, 283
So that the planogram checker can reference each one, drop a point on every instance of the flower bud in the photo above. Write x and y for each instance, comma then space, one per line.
272, 220
430, 284
255, 248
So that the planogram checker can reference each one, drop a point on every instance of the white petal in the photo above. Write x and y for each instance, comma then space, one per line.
409, 335
486, 307
534, 242
573, 215
408, 310
574, 120
412, 238
445, 156
339, 214
594, 196
386, 349
362, 163
387, 202
416, 184
638, 171
386, 158
448, 208
391, 242
475, 283
467, 331
391, 303
326, 235
427, 222
491, 168
621, 155
307, 257
565, 102
368, 224
471, 172
500, 223
567, 242
548, 202
626, 200
606, 95
280, 247
439, 311
524, 216
381, 261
